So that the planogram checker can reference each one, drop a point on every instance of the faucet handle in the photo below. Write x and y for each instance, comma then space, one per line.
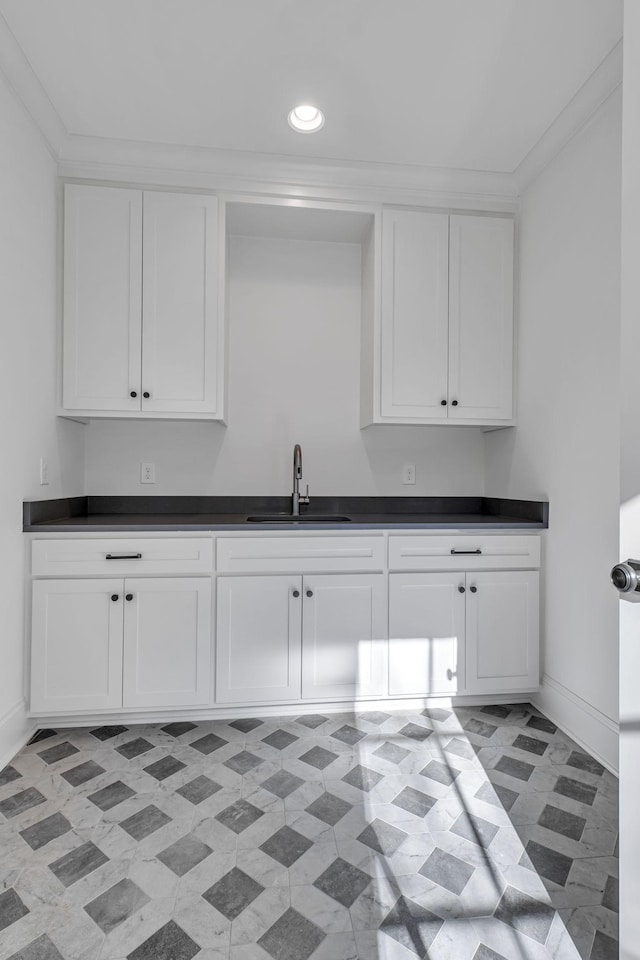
305, 499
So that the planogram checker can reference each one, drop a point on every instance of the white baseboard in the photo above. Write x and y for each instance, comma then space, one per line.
15, 729
594, 731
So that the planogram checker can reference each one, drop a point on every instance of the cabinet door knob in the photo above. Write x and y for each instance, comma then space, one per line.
450, 675
309, 593
454, 403
473, 589
134, 393
460, 589
296, 593
129, 596
443, 403
146, 394
115, 596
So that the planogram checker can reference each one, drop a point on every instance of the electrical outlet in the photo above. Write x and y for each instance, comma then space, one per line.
409, 473
147, 473
44, 472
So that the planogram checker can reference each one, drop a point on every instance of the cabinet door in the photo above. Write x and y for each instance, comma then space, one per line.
481, 318
259, 625
426, 633
502, 631
180, 348
167, 642
76, 646
343, 635
102, 298
414, 314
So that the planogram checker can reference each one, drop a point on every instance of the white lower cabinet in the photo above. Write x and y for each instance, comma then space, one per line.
105, 644
287, 637
343, 636
502, 631
167, 642
76, 649
426, 633
259, 624
463, 632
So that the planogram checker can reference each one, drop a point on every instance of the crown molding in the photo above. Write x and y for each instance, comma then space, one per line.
206, 168
29, 92
192, 167
594, 92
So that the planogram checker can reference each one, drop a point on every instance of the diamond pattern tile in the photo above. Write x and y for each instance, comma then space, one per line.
364, 778
282, 783
382, 837
185, 854
348, 734
11, 908
412, 926
145, 822
280, 739
233, 893
299, 862
292, 937
82, 773
318, 757
286, 846
116, 905
343, 882
76, 864
449, 871
329, 809
170, 942
524, 914
243, 762
134, 748
240, 815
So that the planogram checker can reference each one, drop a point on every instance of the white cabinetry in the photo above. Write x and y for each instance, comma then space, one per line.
258, 639
142, 328
426, 634
101, 642
502, 631
76, 645
445, 344
289, 628
343, 631
468, 622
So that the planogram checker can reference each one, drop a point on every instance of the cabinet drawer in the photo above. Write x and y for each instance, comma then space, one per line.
119, 558
298, 554
472, 552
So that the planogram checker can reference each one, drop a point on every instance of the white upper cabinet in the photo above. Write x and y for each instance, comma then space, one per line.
480, 318
179, 284
443, 350
414, 314
102, 334
143, 335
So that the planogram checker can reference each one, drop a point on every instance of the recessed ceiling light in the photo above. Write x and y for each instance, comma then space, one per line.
306, 119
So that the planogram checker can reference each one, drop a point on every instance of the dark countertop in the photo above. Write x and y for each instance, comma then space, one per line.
133, 514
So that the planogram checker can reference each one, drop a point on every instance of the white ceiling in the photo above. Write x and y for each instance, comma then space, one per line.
469, 84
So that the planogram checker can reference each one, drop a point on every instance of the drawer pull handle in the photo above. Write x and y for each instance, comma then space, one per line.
465, 553
123, 556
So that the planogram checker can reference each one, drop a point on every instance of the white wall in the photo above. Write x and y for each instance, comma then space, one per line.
294, 372
28, 427
566, 445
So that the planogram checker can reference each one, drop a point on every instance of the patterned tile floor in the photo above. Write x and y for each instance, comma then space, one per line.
479, 834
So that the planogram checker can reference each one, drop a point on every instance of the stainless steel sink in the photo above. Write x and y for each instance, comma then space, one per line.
303, 518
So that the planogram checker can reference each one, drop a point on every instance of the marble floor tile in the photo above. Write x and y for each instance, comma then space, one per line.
480, 833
